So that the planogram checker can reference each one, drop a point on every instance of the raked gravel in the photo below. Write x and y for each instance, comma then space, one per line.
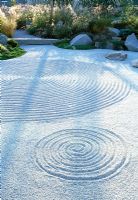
69, 126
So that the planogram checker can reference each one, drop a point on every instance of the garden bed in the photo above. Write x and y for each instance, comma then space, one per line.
107, 25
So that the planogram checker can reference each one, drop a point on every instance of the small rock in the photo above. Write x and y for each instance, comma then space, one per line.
116, 56
82, 39
135, 64
3, 39
114, 31
132, 42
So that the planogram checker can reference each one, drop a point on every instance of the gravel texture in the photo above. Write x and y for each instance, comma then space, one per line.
69, 126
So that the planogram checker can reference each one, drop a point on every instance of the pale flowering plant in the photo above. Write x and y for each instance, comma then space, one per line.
7, 21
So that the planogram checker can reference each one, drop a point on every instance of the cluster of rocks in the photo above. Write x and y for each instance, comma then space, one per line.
106, 40
131, 43
3, 39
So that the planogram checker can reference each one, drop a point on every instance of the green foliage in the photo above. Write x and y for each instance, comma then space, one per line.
65, 15
25, 15
62, 20
118, 45
32, 29
104, 2
133, 21
125, 32
61, 3
42, 20
12, 43
71, 23
65, 45
80, 23
3, 49
120, 24
45, 27
128, 19
57, 20
62, 32
99, 25
11, 53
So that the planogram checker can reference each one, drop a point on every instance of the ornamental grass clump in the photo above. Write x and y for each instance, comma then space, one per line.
63, 21
57, 24
99, 25
41, 22
7, 23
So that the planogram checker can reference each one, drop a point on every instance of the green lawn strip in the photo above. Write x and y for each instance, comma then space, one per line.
65, 45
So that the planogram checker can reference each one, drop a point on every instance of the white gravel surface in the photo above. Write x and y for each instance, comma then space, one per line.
69, 126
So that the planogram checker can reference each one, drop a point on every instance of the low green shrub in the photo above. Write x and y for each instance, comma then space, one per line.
128, 18
21, 23
32, 29
66, 45
62, 32
120, 23
41, 25
80, 23
12, 43
118, 45
12, 53
64, 15
99, 25
133, 21
3, 49
22, 14
125, 32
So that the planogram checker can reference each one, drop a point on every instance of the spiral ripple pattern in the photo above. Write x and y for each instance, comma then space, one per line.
66, 90
79, 154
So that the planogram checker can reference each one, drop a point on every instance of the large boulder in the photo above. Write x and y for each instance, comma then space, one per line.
114, 31
116, 56
3, 39
132, 42
82, 39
